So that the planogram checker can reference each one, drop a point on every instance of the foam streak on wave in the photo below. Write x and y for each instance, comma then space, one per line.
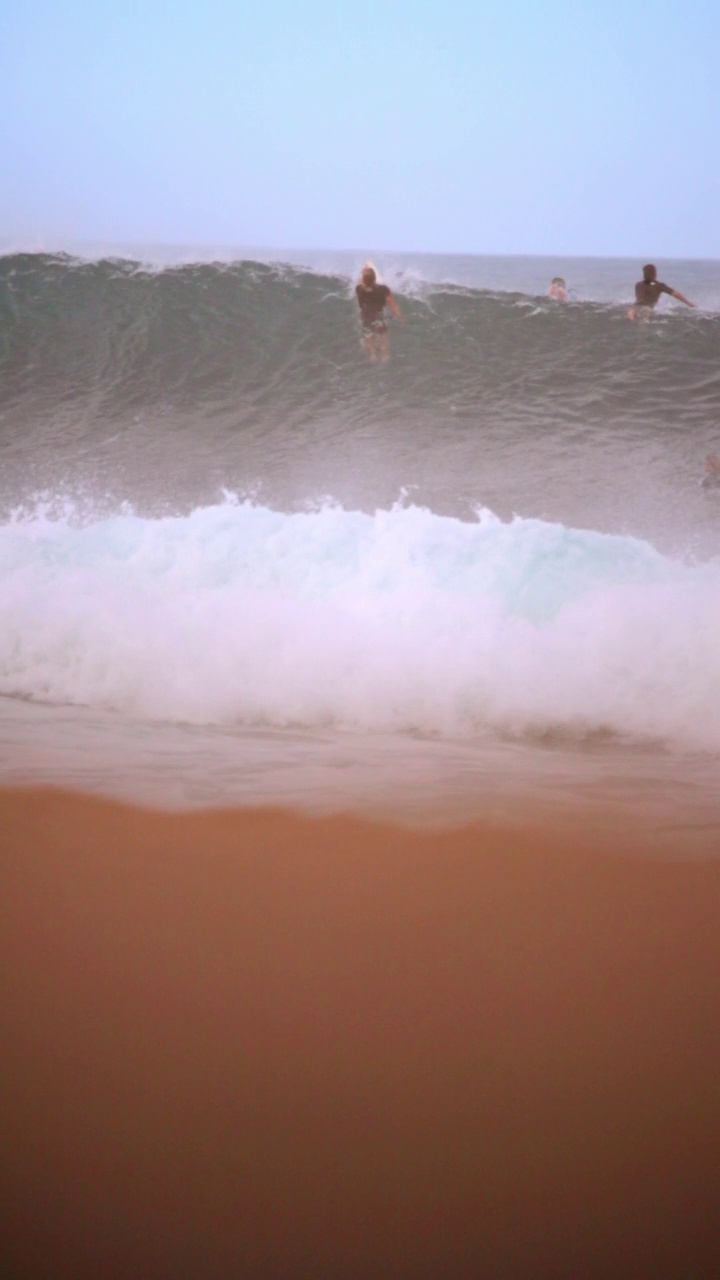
404, 620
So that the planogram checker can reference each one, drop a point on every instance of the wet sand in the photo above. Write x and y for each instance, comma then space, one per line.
257, 1044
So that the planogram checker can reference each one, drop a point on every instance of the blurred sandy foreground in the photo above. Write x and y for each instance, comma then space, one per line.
251, 1043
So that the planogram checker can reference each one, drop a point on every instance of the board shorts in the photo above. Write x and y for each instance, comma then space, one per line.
373, 330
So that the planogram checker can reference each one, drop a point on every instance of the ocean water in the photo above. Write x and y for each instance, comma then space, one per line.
239, 564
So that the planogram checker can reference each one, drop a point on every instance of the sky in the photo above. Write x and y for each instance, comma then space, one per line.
469, 126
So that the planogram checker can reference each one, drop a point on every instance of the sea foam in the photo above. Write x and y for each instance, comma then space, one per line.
401, 620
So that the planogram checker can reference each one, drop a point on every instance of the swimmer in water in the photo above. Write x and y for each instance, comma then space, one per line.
372, 300
558, 290
647, 293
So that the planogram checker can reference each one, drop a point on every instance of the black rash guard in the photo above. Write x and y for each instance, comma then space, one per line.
372, 300
647, 292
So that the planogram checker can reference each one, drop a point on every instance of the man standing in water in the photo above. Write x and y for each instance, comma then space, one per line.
372, 300
647, 292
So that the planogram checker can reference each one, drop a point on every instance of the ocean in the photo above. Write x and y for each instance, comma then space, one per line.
241, 565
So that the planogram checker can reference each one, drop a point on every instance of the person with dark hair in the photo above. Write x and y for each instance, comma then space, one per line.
372, 300
647, 292
558, 289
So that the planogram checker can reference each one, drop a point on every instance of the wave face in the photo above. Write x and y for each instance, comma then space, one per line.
403, 620
252, 340
163, 387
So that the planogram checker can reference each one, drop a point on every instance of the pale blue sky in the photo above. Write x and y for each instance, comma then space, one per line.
498, 127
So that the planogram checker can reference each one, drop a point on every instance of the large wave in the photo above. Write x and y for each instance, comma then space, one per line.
253, 339
166, 386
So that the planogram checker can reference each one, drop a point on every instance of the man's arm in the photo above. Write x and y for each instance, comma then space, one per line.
394, 307
681, 298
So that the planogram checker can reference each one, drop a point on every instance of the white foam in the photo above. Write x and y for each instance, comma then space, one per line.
404, 620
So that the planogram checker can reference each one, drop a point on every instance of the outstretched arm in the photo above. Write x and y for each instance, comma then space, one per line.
681, 298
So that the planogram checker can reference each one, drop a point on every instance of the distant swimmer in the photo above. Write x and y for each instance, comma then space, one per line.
647, 292
372, 300
711, 479
558, 289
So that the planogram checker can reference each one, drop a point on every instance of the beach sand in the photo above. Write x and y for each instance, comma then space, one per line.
251, 1043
